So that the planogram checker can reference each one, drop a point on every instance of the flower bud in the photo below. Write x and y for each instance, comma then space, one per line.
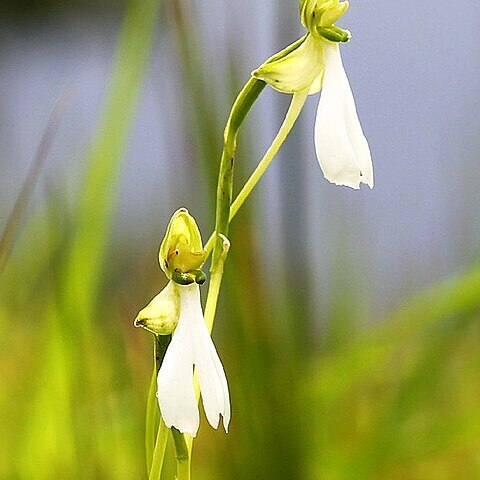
161, 315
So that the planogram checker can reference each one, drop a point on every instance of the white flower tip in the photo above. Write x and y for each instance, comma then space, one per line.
227, 412
184, 426
214, 422
213, 383
189, 431
226, 422
343, 182
185, 420
213, 418
350, 179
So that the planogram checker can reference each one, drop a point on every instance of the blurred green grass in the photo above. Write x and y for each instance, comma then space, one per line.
397, 400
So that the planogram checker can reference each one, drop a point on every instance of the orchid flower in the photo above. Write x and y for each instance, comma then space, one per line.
314, 63
177, 310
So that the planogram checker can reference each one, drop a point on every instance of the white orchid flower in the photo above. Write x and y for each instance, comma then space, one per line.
314, 63
177, 310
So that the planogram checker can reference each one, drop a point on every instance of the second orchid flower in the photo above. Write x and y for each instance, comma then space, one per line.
314, 63
177, 310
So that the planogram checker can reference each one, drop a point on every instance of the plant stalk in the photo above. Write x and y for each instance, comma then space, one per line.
240, 109
182, 455
296, 105
155, 447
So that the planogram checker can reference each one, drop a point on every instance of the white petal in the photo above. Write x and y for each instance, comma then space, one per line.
211, 375
341, 146
176, 395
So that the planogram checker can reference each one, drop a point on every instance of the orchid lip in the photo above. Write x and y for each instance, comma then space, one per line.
192, 347
341, 147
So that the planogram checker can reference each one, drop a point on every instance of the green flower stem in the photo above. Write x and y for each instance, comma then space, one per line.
222, 245
155, 448
243, 103
246, 98
215, 282
152, 418
182, 454
296, 105
183, 470
240, 109
159, 451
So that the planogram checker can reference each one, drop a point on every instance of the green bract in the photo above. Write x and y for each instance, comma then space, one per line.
181, 252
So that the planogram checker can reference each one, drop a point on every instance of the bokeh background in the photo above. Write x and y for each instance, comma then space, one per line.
348, 321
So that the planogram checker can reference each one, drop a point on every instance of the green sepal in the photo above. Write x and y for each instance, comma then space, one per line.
161, 315
330, 12
286, 51
296, 68
181, 248
308, 14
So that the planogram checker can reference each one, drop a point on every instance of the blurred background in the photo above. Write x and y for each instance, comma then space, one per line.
348, 322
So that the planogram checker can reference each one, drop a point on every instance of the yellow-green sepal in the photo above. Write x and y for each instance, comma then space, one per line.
181, 249
286, 51
330, 13
161, 315
297, 69
308, 14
